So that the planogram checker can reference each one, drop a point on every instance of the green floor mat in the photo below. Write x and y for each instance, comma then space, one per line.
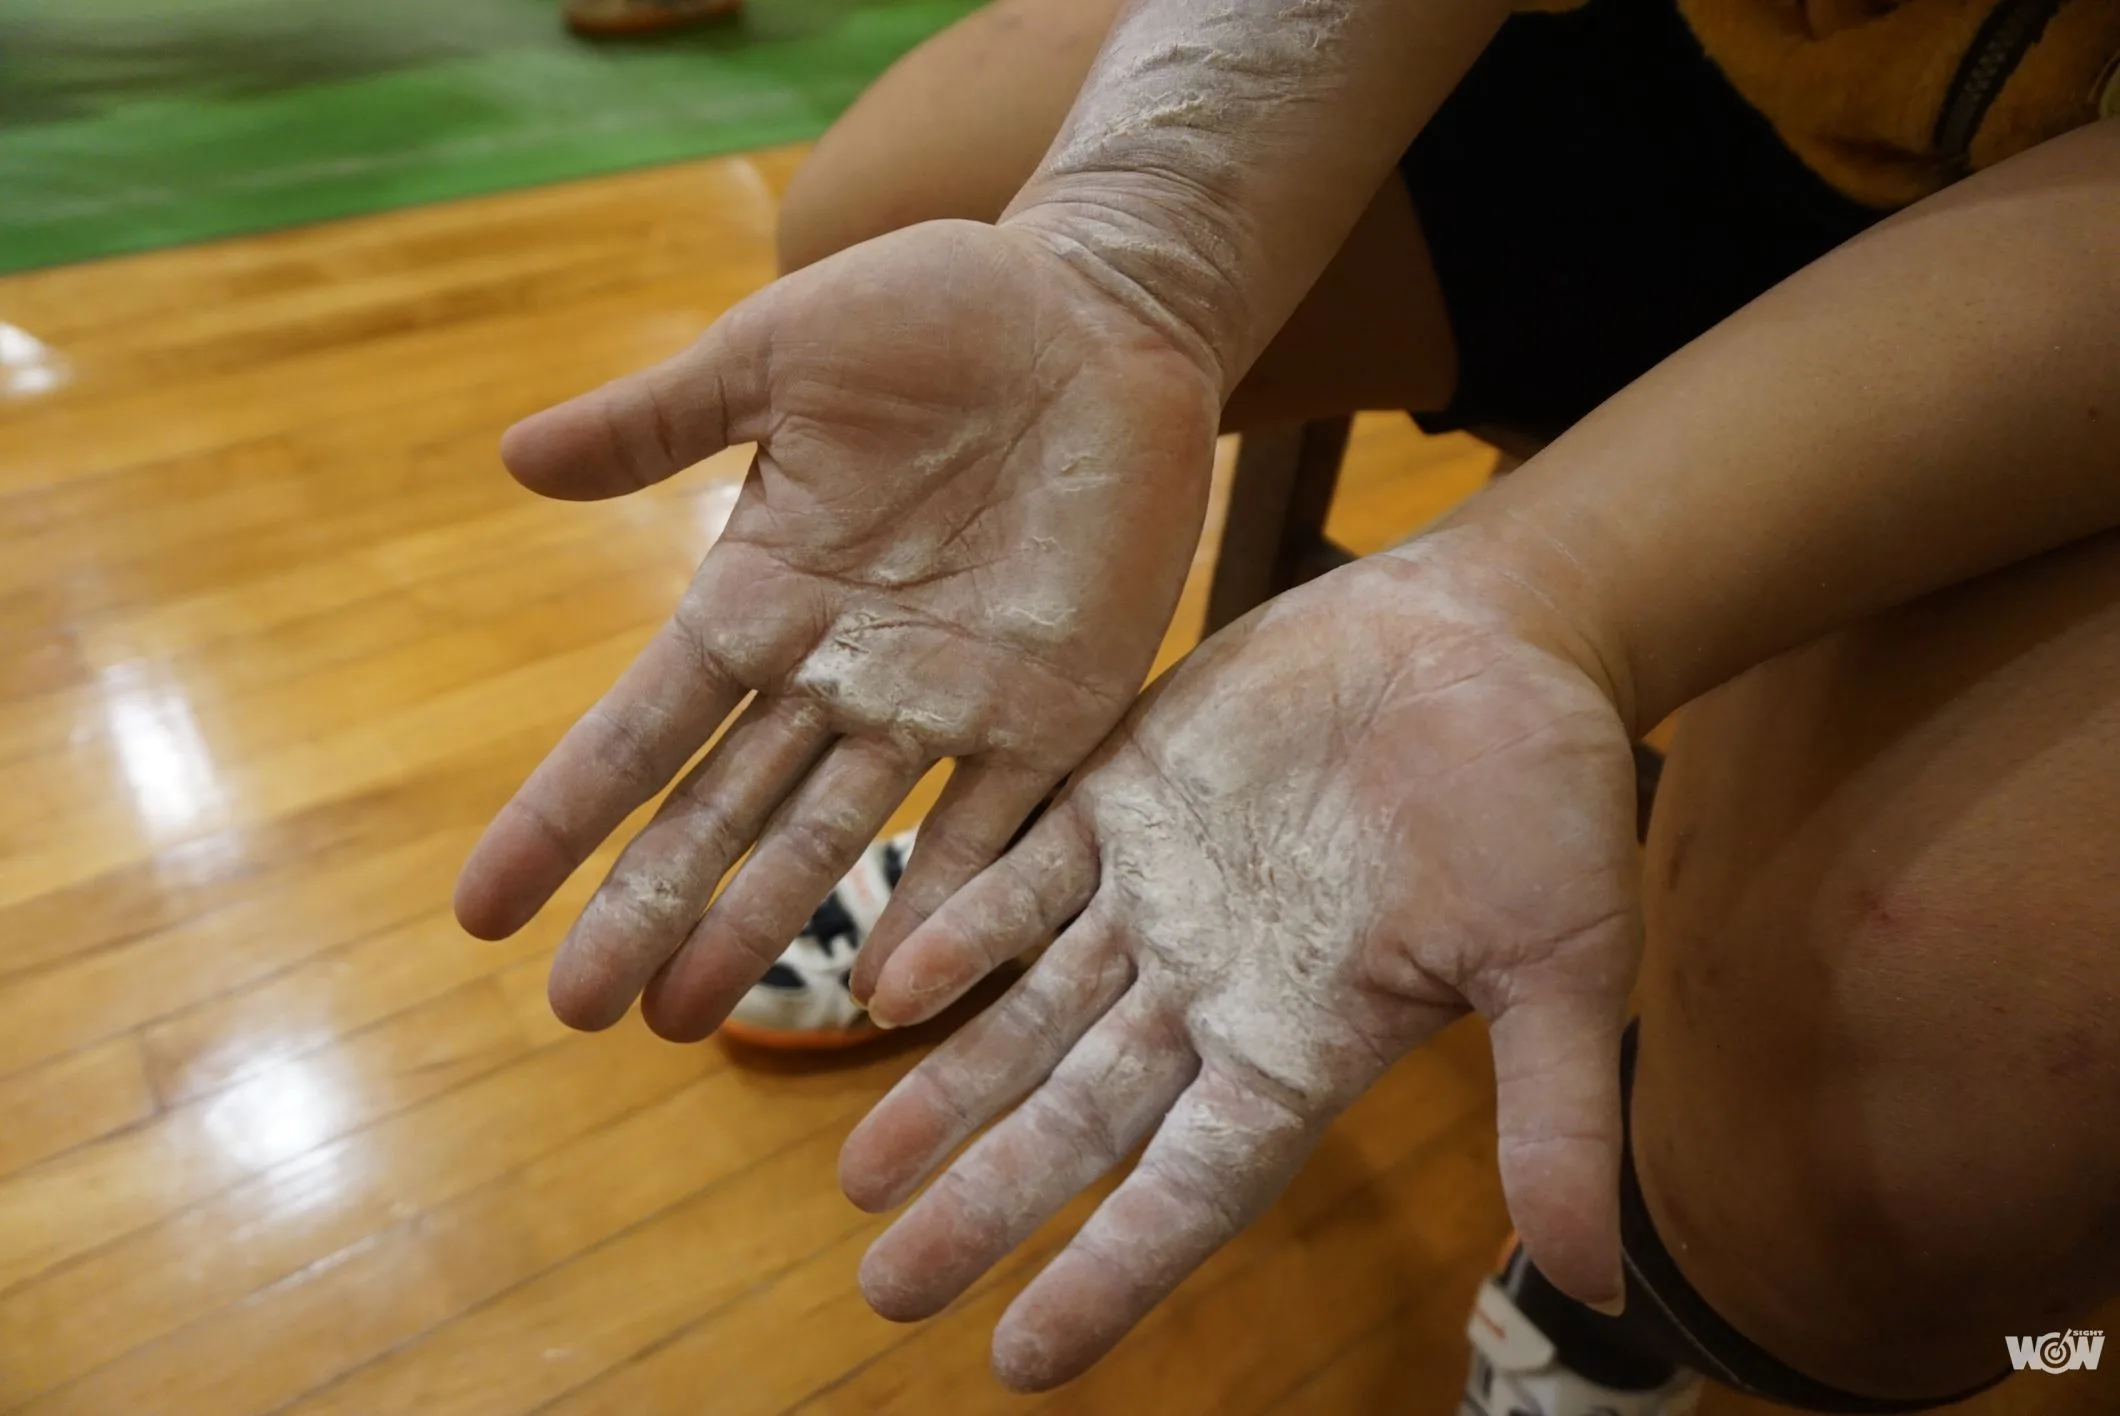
131, 124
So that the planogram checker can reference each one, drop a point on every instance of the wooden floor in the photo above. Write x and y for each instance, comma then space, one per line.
276, 635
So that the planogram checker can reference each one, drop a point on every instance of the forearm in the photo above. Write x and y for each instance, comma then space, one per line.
1220, 151
1938, 398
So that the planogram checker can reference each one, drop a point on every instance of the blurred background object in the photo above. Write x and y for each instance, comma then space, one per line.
131, 124
618, 18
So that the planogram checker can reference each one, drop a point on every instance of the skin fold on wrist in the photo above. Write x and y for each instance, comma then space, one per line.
1504, 572
1152, 254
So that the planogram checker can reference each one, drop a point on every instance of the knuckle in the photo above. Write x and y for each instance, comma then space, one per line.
967, 1193
817, 846
1125, 1265
624, 749
948, 1090
623, 452
943, 858
1022, 912
566, 841
632, 419
599, 967
750, 937
650, 902
664, 426
1035, 1017
710, 834
1078, 1118
1204, 1192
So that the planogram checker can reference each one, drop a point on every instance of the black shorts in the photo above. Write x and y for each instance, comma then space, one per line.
1595, 194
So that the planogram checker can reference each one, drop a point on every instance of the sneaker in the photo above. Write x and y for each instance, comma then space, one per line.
803, 1002
1518, 1371
606, 18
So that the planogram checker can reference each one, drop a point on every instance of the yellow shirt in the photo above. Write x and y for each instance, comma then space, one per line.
1889, 100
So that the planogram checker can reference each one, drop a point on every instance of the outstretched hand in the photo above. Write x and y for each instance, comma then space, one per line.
978, 483
1383, 799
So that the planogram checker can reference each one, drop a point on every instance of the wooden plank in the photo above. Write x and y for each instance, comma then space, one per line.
99, 1192
153, 1282
72, 1099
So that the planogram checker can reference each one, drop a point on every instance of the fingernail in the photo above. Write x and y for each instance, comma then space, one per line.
1611, 1307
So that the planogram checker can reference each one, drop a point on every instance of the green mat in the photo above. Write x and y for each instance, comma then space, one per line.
130, 124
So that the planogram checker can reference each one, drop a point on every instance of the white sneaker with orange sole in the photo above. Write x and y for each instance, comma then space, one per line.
1517, 1372
803, 1002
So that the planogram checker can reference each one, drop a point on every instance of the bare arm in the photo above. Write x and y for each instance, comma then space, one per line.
1221, 150
1938, 398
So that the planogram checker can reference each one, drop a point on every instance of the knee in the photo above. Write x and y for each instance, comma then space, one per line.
876, 169
1860, 1117
869, 176
952, 130
1890, 1276
821, 214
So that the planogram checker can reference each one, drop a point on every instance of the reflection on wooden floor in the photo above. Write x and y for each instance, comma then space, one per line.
274, 1136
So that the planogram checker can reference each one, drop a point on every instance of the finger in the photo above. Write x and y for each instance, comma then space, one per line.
620, 753
648, 425
985, 1067
1556, 1071
1224, 1154
981, 810
1016, 904
810, 843
1109, 1093
654, 894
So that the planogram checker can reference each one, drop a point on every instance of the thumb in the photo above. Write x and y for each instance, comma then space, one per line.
1557, 1099
637, 430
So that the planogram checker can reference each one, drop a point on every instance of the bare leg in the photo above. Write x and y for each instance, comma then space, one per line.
1879, 1072
956, 127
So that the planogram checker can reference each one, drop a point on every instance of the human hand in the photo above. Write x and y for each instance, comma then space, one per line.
1387, 797
978, 484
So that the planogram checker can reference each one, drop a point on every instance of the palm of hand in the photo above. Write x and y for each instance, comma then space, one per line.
976, 492
1276, 901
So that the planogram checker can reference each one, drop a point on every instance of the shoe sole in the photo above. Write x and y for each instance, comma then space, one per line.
777, 1040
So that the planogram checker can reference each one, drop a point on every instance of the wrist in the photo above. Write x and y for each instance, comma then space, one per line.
1521, 582
1158, 248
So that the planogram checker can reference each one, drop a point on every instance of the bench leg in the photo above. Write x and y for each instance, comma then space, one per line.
1274, 538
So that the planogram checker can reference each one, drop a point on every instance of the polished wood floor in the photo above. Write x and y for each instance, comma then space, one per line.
276, 635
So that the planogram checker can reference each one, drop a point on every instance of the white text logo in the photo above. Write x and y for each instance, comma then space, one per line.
2057, 1352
